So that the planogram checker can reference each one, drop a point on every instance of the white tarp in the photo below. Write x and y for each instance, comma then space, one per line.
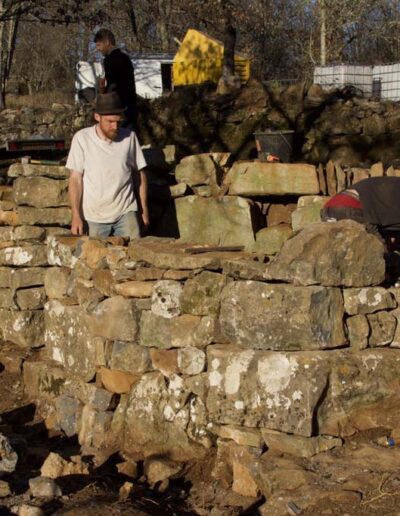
87, 74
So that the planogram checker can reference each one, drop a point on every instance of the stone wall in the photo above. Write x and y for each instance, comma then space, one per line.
156, 350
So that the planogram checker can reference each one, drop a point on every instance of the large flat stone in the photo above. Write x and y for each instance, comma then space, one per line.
307, 211
67, 340
367, 300
265, 389
41, 192
201, 169
270, 240
282, 317
252, 178
44, 216
24, 328
201, 295
28, 170
331, 254
227, 221
115, 318
30, 255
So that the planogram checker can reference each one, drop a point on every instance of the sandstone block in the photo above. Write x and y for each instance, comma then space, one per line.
7, 299
367, 300
280, 214
114, 318
201, 294
43, 487
325, 253
25, 328
103, 280
55, 466
130, 357
383, 327
270, 240
9, 218
61, 250
253, 315
240, 435
28, 170
44, 216
56, 282
41, 192
252, 178
157, 470
182, 331
94, 428
135, 289
266, 389
298, 445
243, 481
117, 381
232, 220
6, 234
165, 300
31, 255
29, 233
358, 331
31, 298
165, 360
307, 211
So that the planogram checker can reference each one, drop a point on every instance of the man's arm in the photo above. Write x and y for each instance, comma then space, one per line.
75, 197
140, 180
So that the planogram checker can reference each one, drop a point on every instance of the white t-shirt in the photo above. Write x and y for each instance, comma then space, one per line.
107, 172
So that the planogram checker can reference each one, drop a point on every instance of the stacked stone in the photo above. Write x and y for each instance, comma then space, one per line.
153, 351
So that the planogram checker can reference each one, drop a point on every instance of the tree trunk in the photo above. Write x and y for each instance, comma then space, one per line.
323, 32
164, 10
228, 65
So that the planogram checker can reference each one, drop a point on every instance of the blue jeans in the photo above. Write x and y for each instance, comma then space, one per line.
126, 226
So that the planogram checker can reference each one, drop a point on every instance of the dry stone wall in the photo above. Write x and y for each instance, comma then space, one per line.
152, 350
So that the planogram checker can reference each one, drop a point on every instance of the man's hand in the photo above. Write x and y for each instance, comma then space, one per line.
145, 220
77, 225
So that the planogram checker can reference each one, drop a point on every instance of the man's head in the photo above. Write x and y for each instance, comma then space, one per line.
105, 41
108, 112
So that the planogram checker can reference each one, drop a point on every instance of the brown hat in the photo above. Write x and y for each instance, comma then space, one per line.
108, 104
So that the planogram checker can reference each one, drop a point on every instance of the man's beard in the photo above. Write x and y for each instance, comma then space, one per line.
111, 134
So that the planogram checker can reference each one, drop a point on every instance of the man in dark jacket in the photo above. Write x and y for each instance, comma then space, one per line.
374, 202
119, 73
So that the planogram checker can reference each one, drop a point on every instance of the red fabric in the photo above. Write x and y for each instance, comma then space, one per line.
343, 199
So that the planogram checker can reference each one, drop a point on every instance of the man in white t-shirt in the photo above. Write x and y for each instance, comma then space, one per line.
106, 166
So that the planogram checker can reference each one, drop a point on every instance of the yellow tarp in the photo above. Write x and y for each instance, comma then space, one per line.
199, 59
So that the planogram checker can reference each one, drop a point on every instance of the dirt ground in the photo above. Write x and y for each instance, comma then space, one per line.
196, 493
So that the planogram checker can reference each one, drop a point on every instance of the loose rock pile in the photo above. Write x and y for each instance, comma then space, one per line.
163, 355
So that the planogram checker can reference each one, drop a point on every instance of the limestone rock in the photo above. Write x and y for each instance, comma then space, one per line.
103, 280
308, 211
156, 419
9, 456
298, 445
201, 294
55, 466
69, 414
280, 214
179, 332
243, 481
31, 298
128, 468
68, 341
25, 328
43, 487
41, 192
325, 253
56, 282
4, 489
254, 315
191, 360
44, 216
29, 233
240, 435
130, 357
30, 255
266, 389
270, 240
61, 250
29, 510
362, 392
7, 300
95, 428
367, 300
43, 381
165, 300
201, 169
252, 178
232, 220
114, 318
28, 170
